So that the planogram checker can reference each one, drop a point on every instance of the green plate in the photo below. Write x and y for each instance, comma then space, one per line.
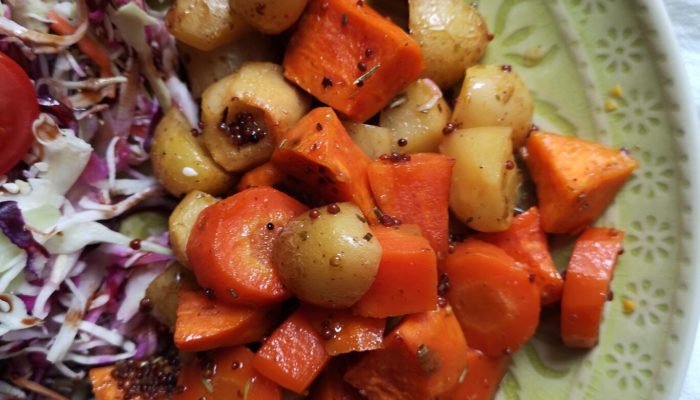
572, 54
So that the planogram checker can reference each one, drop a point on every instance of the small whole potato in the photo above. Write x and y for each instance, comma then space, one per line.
452, 35
494, 95
270, 16
205, 24
181, 163
328, 256
182, 220
373, 140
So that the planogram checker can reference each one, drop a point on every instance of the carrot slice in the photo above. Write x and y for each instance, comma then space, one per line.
423, 358
576, 179
344, 332
104, 386
494, 300
350, 57
331, 385
587, 285
230, 247
87, 45
526, 242
406, 280
416, 191
294, 355
225, 374
264, 175
319, 152
205, 324
483, 376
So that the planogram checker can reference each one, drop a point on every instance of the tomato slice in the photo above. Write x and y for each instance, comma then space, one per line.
18, 110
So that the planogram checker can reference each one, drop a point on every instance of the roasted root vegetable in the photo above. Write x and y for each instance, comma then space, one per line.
267, 174
331, 385
104, 386
417, 118
204, 68
243, 113
406, 279
204, 323
526, 242
225, 374
416, 191
485, 178
181, 163
327, 256
230, 246
493, 297
372, 140
344, 332
294, 355
452, 35
494, 95
483, 376
423, 358
270, 16
182, 219
205, 24
319, 152
575, 179
587, 285
348, 56
161, 294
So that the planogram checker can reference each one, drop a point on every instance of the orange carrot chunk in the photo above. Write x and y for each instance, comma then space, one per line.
406, 280
344, 332
576, 179
104, 386
350, 57
319, 152
483, 376
423, 358
230, 247
264, 175
204, 324
587, 285
331, 385
294, 355
526, 242
225, 374
416, 191
494, 300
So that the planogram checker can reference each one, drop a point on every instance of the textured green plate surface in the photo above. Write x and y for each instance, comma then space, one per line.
572, 53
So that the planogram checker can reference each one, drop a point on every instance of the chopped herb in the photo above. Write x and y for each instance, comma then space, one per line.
377, 212
246, 389
360, 218
463, 375
428, 359
368, 237
208, 385
344, 19
232, 293
360, 81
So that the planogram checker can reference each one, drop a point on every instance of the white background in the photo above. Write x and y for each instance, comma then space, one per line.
685, 17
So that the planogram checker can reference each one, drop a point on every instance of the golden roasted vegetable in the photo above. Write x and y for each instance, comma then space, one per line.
244, 112
162, 293
182, 220
485, 177
373, 140
494, 95
205, 24
329, 259
206, 67
452, 35
417, 118
181, 163
270, 16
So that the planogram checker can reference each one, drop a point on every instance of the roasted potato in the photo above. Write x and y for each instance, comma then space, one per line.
494, 95
485, 178
162, 293
330, 260
206, 67
181, 163
270, 16
182, 220
243, 112
417, 118
373, 140
205, 24
452, 35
